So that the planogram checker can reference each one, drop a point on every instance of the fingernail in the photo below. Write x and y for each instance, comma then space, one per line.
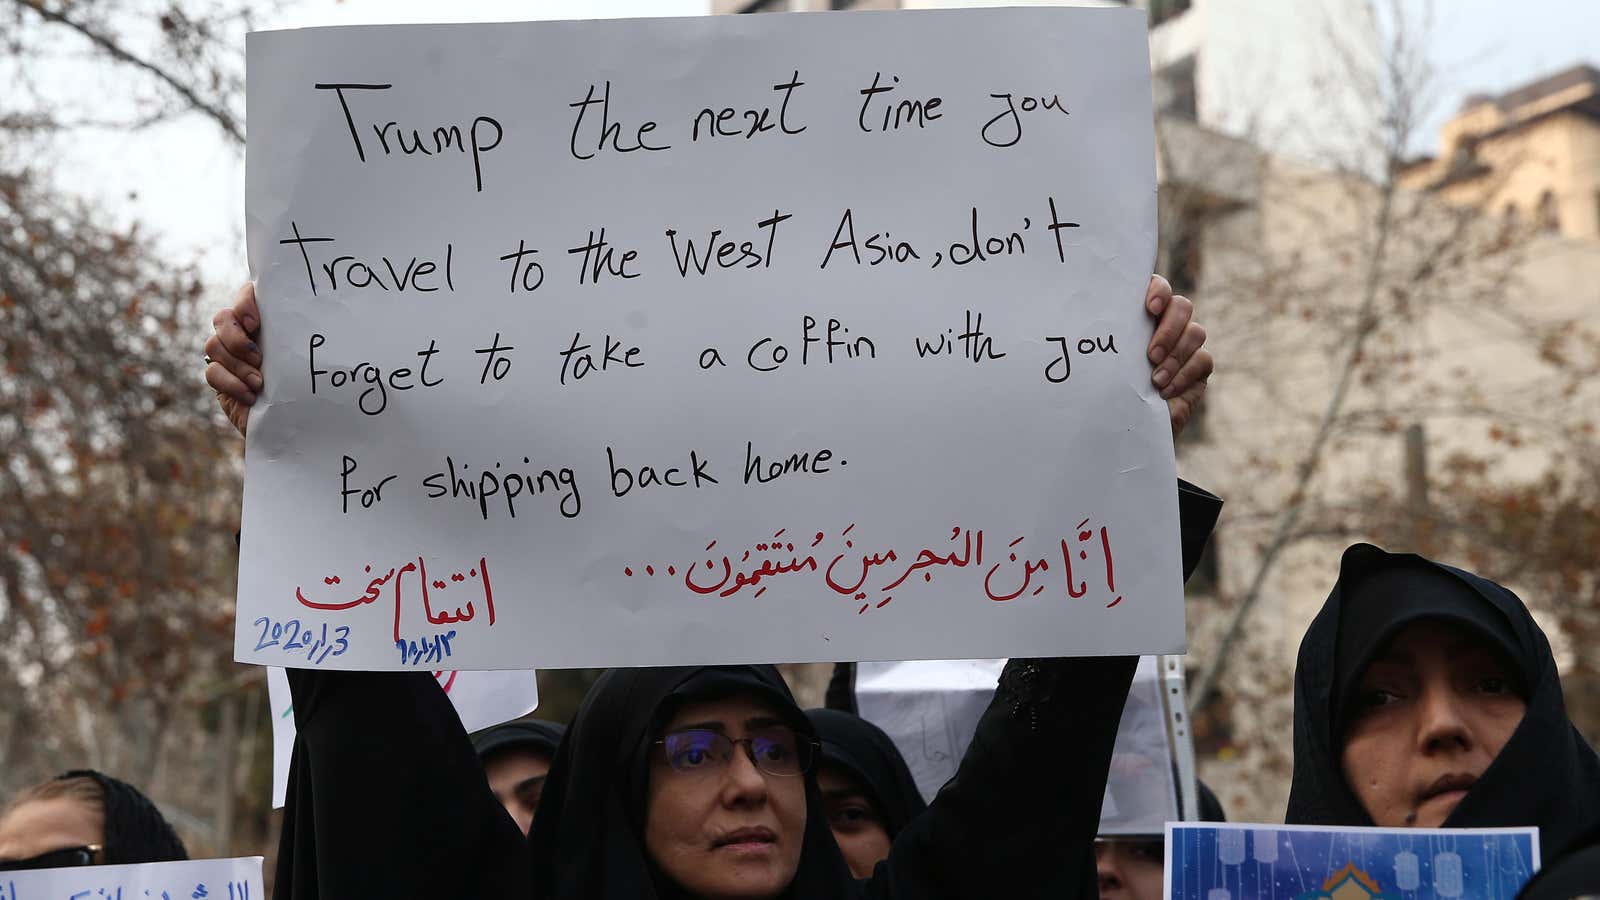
1157, 354
1157, 304
249, 323
254, 380
250, 400
1160, 377
252, 347
1169, 392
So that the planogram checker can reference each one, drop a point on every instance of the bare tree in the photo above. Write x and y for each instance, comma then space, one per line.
119, 492
158, 61
1345, 310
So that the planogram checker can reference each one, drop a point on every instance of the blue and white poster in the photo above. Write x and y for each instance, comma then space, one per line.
1289, 862
189, 879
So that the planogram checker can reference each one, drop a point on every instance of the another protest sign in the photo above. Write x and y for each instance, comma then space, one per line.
931, 710
216, 879
1269, 862
731, 339
481, 699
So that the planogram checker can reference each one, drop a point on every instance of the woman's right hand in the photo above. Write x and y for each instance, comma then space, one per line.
234, 367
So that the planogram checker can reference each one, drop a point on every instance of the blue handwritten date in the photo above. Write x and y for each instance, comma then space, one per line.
426, 649
291, 637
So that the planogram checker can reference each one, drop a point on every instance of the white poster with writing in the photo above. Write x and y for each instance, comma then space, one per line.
711, 340
215, 879
481, 699
930, 709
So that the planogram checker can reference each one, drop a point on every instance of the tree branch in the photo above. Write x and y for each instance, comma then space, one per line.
116, 51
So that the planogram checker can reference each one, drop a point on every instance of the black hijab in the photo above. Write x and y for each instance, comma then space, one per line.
1575, 874
1546, 775
587, 839
871, 757
537, 735
136, 832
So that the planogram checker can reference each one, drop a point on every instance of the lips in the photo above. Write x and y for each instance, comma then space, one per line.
1448, 784
746, 836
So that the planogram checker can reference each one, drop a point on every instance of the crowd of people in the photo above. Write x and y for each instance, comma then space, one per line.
1425, 696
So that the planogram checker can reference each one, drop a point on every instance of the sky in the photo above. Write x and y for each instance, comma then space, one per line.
1491, 46
187, 184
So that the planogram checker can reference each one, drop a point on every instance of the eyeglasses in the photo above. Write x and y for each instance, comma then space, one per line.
775, 751
66, 857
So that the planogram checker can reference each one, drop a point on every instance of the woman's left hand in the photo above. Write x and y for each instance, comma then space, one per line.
1180, 367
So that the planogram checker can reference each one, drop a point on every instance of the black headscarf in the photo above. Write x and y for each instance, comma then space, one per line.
537, 735
871, 757
587, 837
136, 832
1575, 874
1546, 775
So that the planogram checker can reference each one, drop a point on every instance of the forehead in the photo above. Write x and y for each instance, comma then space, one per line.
515, 764
734, 709
1435, 636
40, 826
833, 778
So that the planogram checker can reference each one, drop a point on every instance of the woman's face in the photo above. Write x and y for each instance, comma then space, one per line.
724, 831
1130, 869
858, 828
1432, 711
40, 826
516, 777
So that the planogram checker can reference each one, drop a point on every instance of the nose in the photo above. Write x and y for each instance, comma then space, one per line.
1442, 727
743, 783
1107, 877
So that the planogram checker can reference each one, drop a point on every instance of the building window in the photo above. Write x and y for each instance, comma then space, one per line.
1175, 90
1162, 10
1549, 214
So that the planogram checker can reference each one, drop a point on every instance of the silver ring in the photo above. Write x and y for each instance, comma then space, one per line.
208, 359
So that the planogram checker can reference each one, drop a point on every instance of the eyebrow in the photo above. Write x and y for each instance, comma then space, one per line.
1470, 644
751, 723
702, 726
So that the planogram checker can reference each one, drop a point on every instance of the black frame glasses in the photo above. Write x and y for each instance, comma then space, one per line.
764, 748
64, 858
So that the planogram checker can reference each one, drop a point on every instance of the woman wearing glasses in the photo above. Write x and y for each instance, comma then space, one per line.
84, 818
685, 782
694, 782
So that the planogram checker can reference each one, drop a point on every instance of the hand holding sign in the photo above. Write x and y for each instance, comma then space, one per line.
233, 358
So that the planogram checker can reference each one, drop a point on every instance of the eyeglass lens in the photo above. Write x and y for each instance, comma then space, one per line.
775, 751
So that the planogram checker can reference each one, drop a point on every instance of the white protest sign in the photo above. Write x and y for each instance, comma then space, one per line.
481, 699
213, 879
717, 340
931, 710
